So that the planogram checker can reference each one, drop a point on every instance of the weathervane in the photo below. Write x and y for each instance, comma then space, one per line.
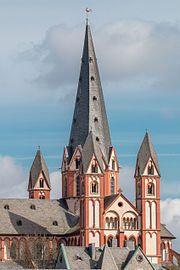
88, 10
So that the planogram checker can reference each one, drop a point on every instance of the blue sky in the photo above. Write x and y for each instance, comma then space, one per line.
137, 45
37, 96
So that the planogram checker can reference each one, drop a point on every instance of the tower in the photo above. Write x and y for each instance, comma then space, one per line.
89, 167
147, 176
39, 181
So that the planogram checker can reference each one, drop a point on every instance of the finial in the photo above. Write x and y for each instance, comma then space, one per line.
39, 148
88, 10
146, 130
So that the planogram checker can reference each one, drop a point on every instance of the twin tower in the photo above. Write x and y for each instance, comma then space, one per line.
90, 172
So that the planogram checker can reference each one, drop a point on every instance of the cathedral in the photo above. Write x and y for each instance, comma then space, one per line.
93, 212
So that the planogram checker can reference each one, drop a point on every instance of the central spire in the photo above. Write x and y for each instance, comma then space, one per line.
90, 113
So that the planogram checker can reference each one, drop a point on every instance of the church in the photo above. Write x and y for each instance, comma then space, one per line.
93, 212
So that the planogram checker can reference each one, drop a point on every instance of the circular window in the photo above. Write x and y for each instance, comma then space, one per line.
120, 204
139, 258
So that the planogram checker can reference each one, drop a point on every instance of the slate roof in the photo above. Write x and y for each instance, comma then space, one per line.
109, 199
105, 258
89, 111
146, 151
38, 166
91, 147
165, 233
38, 221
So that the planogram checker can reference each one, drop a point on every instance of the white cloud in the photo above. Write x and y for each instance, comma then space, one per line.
13, 179
141, 52
55, 185
170, 215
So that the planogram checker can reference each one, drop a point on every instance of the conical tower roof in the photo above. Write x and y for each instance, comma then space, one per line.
39, 166
89, 112
146, 152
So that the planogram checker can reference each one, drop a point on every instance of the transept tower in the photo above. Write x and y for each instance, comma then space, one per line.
147, 175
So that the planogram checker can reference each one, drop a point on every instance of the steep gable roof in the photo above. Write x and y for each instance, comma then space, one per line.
91, 147
89, 112
106, 260
146, 152
38, 166
138, 260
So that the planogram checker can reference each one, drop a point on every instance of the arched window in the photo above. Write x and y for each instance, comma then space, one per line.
113, 164
65, 187
82, 188
124, 223
107, 223
115, 223
132, 238
77, 161
94, 167
14, 249
150, 189
112, 185
94, 187
151, 169
77, 186
110, 240
41, 183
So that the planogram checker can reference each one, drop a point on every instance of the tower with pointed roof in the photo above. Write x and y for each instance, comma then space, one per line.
147, 175
90, 167
39, 186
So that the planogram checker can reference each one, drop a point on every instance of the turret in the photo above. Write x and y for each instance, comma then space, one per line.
39, 181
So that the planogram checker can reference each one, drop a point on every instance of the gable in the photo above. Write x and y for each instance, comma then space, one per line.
95, 163
77, 154
121, 205
113, 162
137, 261
37, 184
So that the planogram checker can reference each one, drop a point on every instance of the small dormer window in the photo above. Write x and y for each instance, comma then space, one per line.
97, 139
19, 222
55, 223
77, 100
6, 207
90, 60
92, 78
74, 120
80, 79
95, 119
41, 183
94, 98
33, 207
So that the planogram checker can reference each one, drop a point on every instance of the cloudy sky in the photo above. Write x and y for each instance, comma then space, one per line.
138, 49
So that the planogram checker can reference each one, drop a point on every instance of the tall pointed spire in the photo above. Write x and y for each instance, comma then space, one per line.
90, 113
146, 152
